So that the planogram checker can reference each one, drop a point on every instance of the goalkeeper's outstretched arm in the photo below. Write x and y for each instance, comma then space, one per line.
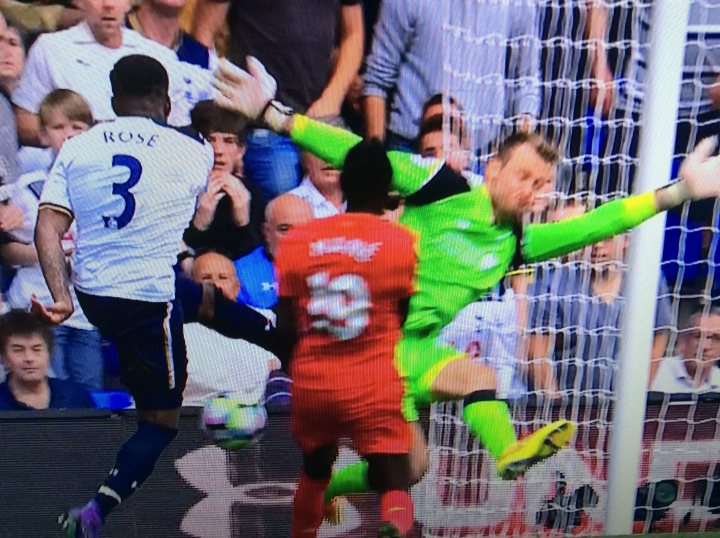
700, 178
251, 94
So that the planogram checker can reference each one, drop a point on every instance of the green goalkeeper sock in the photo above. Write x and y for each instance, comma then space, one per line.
489, 421
350, 479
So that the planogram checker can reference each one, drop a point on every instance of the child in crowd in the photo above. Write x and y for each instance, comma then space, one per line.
77, 353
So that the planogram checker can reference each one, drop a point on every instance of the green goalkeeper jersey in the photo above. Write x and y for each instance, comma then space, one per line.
462, 252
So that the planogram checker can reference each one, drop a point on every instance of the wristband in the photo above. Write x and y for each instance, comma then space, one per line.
276, 115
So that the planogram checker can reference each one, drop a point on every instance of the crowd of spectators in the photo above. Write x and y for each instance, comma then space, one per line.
375, 68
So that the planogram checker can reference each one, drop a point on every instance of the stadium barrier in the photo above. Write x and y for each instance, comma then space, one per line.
52, 460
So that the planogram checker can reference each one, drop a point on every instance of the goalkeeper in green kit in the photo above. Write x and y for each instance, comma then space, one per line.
468, 239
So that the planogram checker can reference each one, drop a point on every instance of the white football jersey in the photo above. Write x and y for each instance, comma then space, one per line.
29, 280
131, 185
73, 59
488, 332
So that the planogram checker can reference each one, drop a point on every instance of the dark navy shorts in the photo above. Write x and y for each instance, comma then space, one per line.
150, 343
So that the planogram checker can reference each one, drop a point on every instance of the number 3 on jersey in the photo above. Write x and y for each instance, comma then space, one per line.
339, 306
123, 190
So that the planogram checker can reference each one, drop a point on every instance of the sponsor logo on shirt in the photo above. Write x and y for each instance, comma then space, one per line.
357, 249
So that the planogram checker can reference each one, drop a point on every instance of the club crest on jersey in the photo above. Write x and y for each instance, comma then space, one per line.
357, 249
489, 261
110, 222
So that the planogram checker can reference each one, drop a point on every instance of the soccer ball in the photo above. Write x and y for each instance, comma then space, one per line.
231, 423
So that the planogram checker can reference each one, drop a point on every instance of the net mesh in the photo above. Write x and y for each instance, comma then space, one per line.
554, 341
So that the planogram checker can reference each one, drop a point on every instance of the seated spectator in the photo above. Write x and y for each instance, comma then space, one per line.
575, 320
8, 129
295, 41
77, 354
214, 268
25, 344
217, 364
432, 141
441, 104
230, 212
81, 59
12, 59
697, 367
255, 271
321, 185
159, 20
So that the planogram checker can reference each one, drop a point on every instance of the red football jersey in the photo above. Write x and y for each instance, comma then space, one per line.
346, 275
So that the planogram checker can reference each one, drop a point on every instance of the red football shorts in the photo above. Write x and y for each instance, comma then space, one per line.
372, 417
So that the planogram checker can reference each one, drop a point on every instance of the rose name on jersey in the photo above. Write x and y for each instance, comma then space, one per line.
357, 249
126, 137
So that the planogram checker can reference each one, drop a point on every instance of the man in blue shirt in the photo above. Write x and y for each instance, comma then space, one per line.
25, 344
258, 285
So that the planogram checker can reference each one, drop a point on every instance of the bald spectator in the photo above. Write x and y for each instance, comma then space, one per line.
81, 59
696, 368
255, 271
220, 365
159, 20
214, 268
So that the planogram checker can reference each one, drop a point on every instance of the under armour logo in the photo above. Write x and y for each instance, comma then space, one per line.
269, 286
207, 470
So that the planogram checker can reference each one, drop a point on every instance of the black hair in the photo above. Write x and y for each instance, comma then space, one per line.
139, 76
435, 124
366, 175
438, 99
207, 118
22, 323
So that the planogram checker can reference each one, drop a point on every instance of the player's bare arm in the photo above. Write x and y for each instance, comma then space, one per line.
51, 226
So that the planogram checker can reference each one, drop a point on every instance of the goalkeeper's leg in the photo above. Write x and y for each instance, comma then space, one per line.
440, 373
354, 478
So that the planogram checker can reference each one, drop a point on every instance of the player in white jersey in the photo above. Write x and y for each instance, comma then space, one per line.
489, 332
131, 186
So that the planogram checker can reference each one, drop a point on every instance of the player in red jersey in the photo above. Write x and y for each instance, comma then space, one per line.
345, 282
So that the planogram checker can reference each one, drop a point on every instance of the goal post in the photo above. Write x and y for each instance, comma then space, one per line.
590, 488
664, 76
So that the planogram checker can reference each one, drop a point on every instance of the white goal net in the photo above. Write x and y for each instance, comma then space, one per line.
555, 341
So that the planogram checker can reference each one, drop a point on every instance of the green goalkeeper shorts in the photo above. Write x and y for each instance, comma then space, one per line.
420, 359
